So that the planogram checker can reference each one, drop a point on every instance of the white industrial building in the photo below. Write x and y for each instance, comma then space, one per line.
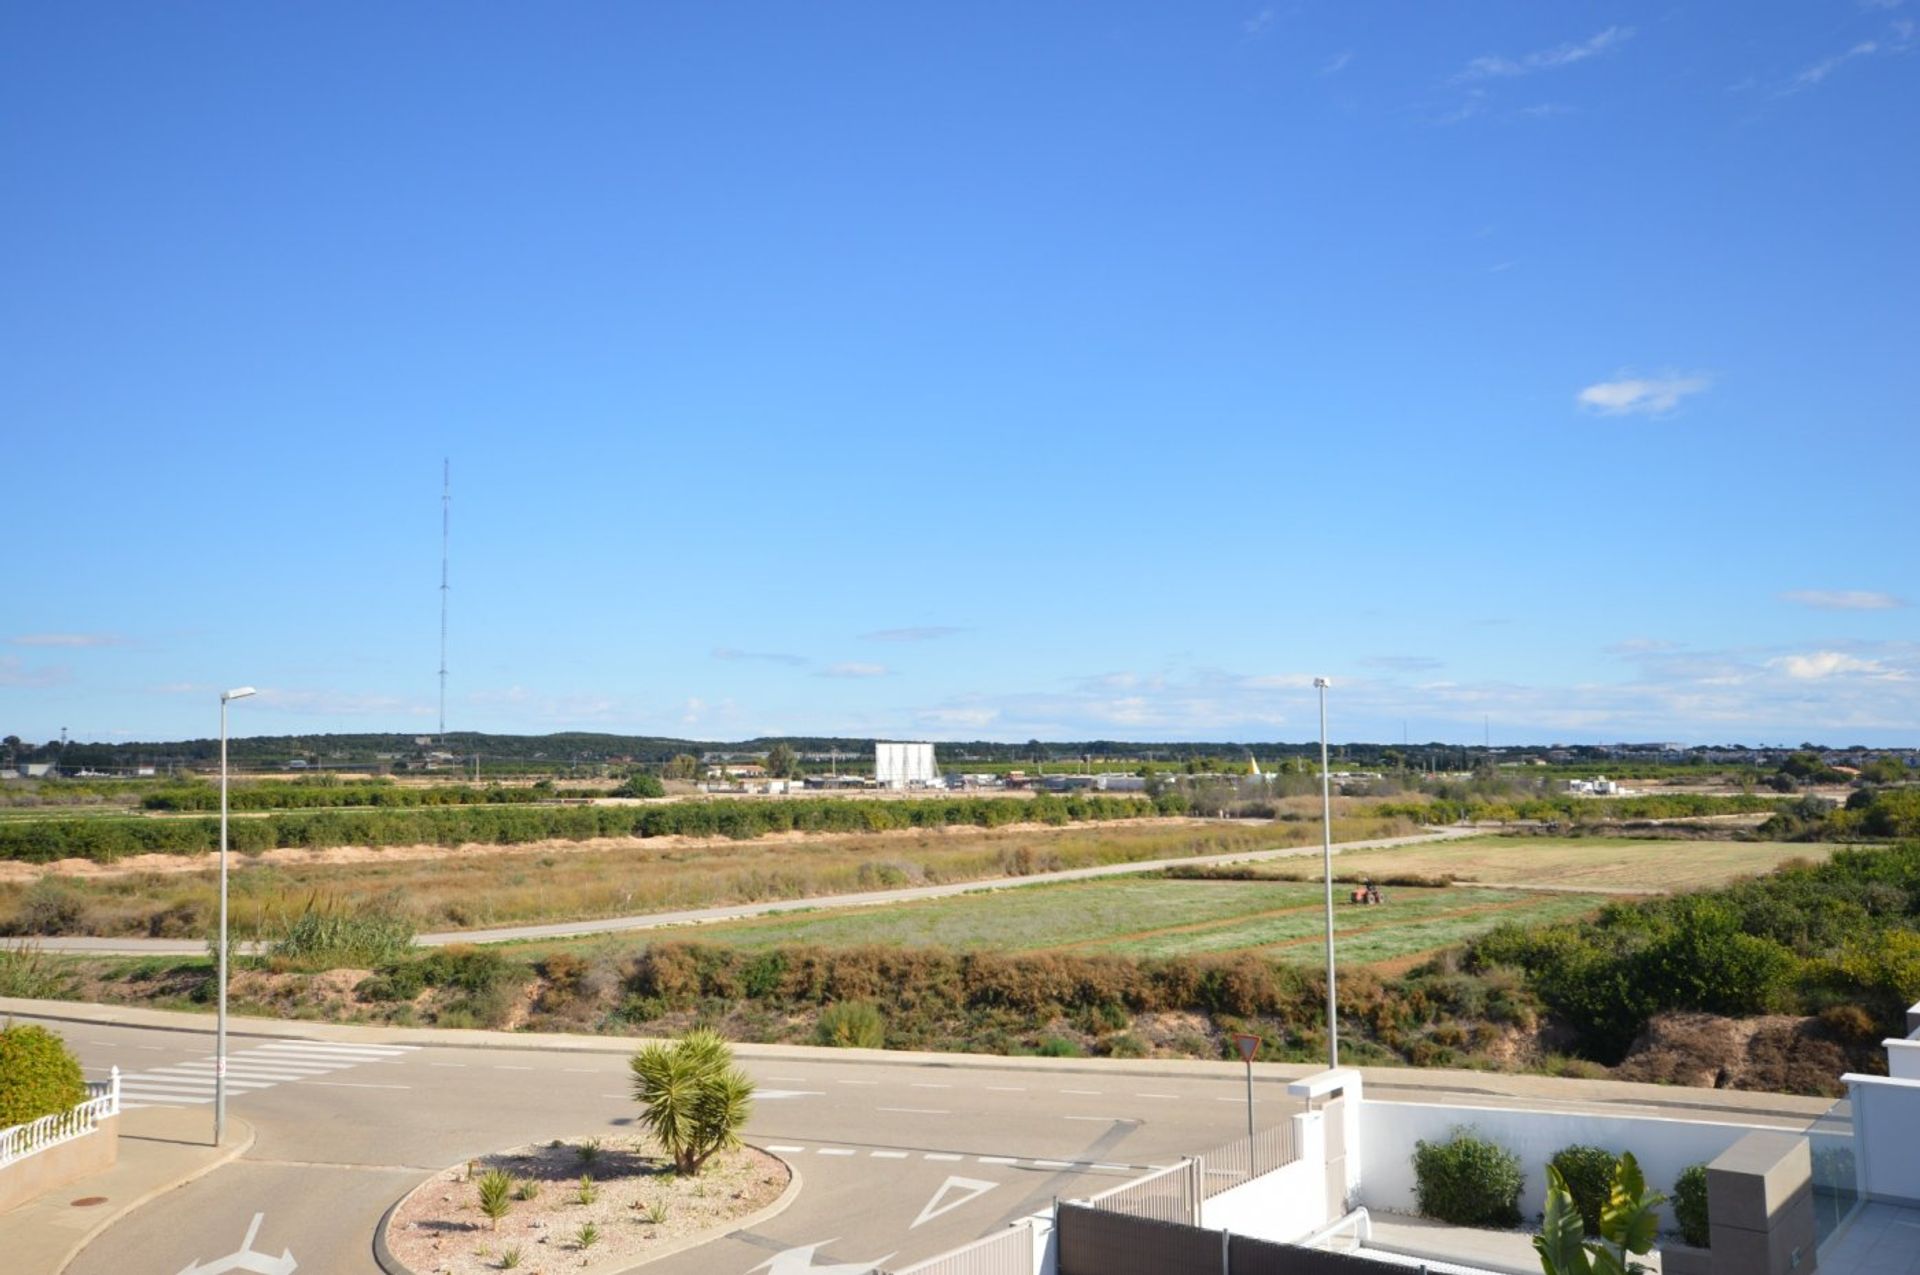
904, 766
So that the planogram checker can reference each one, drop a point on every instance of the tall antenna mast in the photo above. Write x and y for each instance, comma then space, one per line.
446, 506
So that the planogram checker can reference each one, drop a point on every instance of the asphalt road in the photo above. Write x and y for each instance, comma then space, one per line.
874, 1144
738, 911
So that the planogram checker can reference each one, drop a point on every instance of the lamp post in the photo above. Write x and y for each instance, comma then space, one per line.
1326, 843
220, 1029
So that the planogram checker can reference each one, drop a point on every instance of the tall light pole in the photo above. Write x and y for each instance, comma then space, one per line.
220, 1030
1326, 843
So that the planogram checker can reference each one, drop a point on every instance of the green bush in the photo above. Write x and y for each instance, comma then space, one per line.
852, 1025
28, 972
1690, 1205
339, 937
1588, 1173
39, 1076
1467, 1181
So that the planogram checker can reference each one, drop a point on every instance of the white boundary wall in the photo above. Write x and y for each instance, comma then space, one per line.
1388, 1131
1284, 1205
1886, 1121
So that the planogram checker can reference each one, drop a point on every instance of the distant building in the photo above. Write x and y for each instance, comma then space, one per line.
905, 766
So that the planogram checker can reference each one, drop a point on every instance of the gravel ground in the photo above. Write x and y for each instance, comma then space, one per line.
440, 1230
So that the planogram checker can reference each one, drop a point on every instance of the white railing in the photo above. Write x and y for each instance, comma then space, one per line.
1242, 1161
1172, 1194
1008, 1252
23, 1140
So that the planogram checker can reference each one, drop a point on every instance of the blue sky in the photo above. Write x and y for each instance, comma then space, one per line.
987, 370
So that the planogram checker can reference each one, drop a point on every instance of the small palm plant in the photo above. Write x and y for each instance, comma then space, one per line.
1628, 1225
496, 1195
587, 1235
588, 1191
692, 1098
656, 1212
588, 1151
527, 1189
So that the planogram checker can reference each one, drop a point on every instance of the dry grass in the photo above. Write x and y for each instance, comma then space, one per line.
1582, 862
452, 891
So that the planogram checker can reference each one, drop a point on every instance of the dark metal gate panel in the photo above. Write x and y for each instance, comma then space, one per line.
1095, 1242
1264, 1257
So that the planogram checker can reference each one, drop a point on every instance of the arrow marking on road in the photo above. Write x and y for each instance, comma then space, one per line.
246, 1259
972, 1189
796, 1260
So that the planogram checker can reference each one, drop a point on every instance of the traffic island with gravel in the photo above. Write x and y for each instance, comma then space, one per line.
593, 1205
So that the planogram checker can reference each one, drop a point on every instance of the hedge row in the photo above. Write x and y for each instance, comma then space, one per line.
41, 841
1560, 809
384, 796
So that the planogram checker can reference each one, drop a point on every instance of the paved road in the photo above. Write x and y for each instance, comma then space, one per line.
734, 912
349, 1119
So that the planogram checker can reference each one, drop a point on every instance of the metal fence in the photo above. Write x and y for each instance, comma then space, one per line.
1008, 1252
1171, 1194
23, 1140
1093, 1242
1245, 1159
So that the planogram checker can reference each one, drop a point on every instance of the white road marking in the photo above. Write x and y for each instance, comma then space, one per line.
1156, 1095
1006, 1088
996, 1159
1053, 1164
1090, 1093
941, 1155
968, 1189
771, 1146
859, 1082
889, 1155
509, 1067
923, 1085
836, 1151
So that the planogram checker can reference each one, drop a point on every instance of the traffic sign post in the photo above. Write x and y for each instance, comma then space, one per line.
1248, 1047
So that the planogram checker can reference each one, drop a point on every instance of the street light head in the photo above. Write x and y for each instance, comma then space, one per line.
239, 692
1322, 683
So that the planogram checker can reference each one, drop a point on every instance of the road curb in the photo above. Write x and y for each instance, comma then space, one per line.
239, 1148
391, 1265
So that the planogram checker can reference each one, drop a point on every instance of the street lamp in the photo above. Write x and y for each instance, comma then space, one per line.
1326, 842
220, 1030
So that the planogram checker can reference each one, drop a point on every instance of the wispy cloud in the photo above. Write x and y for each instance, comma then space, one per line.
1495, 66
1651, 396
916, 633
853, 668
765, 657
1844, 599
1819, 71
1401, 663
1815, 666
1338, 63
67, 639
332, 703
15, 672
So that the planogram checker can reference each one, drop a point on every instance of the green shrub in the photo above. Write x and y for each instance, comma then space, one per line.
39, 1076
1588, 1173
693, 1100
1690, 1205
852, 1025
1052, 1046
335, 936
50, 906
1467, 1181
1126, 1045
28, 972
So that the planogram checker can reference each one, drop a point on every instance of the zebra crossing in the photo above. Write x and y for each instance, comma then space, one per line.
256, 1067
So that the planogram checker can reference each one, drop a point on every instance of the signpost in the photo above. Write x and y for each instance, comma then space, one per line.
1248, 1047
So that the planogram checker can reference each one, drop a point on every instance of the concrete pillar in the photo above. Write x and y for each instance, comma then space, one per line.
1760, 1206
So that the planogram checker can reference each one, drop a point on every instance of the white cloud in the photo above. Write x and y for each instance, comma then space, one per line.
331, 703
15, 672
1493, 66
958, 717
1844, 599
1653, 395
692, 710
68, 639
1338, 63
854, 668
1819, 71
1817, 666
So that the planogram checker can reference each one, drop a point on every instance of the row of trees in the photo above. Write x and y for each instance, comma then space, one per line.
104, 839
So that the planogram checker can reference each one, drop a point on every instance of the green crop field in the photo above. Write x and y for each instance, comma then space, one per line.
1143, 916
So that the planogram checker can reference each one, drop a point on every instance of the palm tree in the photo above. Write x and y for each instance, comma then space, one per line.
692, 1098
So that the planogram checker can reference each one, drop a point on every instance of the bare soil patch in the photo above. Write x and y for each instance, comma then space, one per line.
638, 1207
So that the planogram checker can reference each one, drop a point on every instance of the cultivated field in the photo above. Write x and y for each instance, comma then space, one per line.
1588, 862
1154, 916
471, 887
